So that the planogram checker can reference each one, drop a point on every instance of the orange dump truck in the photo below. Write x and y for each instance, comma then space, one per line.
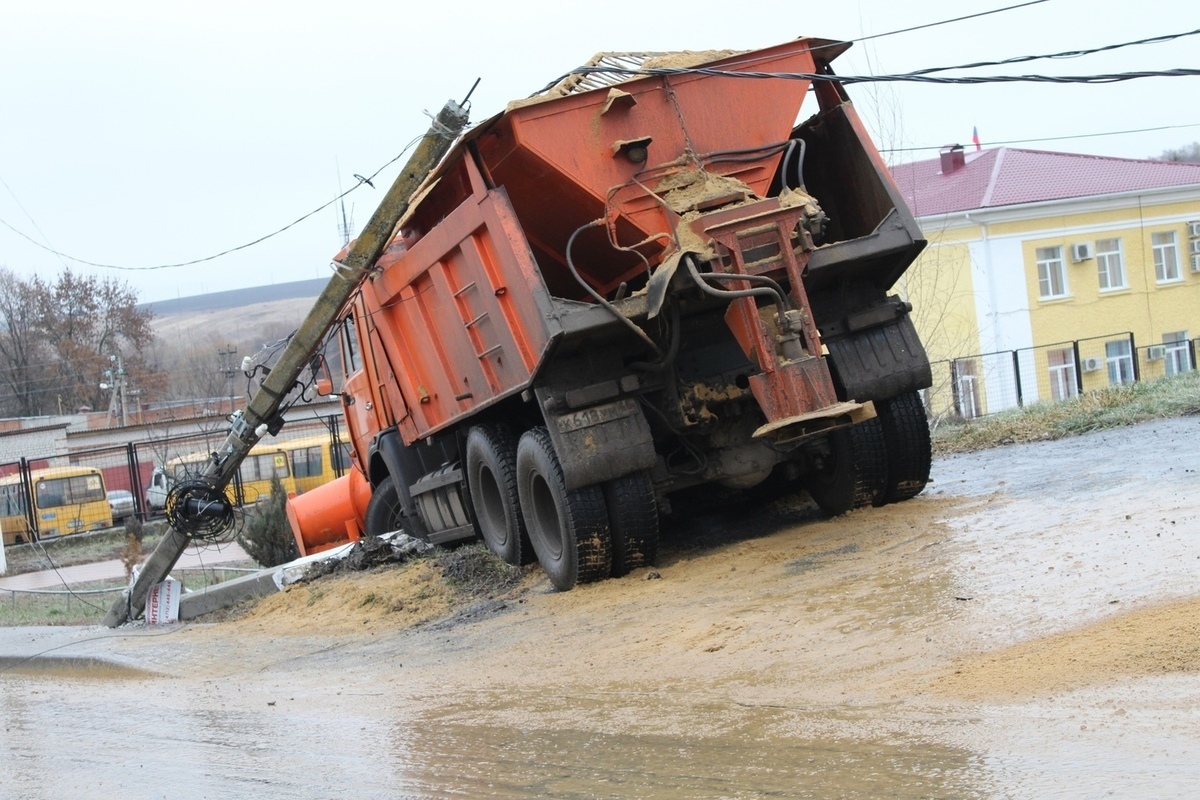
646, 279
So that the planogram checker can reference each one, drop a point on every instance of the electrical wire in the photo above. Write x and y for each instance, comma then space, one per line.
226, 252
911, 29
40, 653
848, 80
36, 543
1064, 54
944, 22
1052, 138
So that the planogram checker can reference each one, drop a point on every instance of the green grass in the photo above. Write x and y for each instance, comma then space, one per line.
77, 548
1113, 407
82, 607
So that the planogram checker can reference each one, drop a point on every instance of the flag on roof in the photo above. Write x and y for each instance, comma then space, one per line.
975, 137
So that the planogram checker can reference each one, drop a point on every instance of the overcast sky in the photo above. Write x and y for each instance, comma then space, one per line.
143, 133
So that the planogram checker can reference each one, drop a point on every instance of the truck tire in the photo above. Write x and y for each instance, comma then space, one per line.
871, 460
491, 461
569, 530
633, 519
852, 475
385, 513
906, 431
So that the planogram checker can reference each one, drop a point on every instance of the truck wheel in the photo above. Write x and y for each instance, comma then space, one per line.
633, 518
906, 431
568, 529
491, 459
851, 475
871, 460
386, 514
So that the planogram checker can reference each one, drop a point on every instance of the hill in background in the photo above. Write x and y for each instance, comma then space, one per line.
237, 298
190, 331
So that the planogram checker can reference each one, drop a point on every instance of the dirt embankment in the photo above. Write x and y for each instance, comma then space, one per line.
945, 596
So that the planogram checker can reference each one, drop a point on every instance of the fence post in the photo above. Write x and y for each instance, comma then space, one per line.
31, 516
1078, 368
1017, 375
135, 481
1137, 360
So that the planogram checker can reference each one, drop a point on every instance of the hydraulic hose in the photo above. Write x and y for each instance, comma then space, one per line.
600, 298
773, 291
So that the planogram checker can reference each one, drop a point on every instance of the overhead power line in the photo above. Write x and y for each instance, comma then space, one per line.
908, 77
948, 21
1170, 37
918, 76
226, 252
1050, 138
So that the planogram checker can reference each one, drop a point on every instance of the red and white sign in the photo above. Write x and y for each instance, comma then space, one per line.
162, 604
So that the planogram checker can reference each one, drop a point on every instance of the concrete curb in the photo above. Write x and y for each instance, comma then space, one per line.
229, 593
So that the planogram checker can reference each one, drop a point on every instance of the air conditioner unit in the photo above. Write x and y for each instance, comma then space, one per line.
1195, 247
1196, 263
1093, 364
1082, 251
1194, 229
1155, 352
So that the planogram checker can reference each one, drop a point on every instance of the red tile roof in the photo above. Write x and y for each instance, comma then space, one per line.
1005, 176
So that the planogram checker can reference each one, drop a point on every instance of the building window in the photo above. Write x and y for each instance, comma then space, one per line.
1063, 383
307, 462
1108, 262
1120, 362
966, 388
1052, 277
1166, 257
1178, 356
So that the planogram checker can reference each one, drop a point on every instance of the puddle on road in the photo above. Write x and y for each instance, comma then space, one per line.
598, 747
73, 667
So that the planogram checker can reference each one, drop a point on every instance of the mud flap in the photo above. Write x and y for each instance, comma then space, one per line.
880, 362
601, 442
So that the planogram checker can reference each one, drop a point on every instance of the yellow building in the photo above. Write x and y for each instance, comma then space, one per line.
1048, 274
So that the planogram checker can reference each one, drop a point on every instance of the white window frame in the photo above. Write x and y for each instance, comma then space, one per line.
1119, 357
1050, 264
1063, 377
967, 383
1177, 356
1166, 258
1110, 266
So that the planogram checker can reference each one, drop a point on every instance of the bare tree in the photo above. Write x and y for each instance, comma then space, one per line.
23, 353
1189, 153
58, 338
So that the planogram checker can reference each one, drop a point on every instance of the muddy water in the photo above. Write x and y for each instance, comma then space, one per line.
1022, 630
746, 753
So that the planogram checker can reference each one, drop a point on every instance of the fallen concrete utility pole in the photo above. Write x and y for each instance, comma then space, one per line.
262, 413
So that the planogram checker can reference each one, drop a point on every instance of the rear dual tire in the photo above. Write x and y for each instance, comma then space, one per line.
569, 529
491, 459
883, 460
909, 449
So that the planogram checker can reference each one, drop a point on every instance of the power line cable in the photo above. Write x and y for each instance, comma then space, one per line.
36, 227
849, 80
946, 21
1064, 54
1050, 138
226, 252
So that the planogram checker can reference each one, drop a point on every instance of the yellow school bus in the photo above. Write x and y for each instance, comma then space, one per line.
300, 464
65, 500
316, 460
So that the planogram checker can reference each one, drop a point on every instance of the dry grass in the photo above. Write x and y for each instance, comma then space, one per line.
1106, 408
78, 548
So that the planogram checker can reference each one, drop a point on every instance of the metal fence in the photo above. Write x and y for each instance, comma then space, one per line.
131, 467
987, 383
